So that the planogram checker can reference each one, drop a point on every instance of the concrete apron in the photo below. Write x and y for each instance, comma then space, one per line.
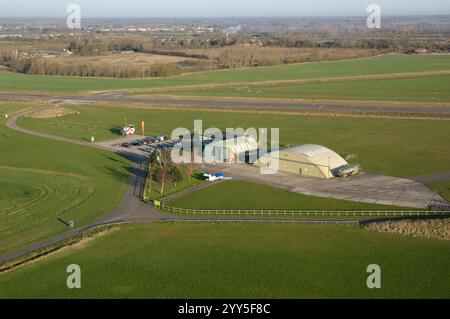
365, 188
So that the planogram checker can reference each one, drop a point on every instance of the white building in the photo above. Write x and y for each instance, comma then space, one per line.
229, 149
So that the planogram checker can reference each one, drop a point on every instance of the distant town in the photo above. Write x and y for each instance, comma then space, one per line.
54, 27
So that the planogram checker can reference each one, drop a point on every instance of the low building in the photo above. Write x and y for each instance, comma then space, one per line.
230, 149
306, 160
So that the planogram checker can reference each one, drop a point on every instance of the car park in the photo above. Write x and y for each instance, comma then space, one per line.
147, 149
137, 143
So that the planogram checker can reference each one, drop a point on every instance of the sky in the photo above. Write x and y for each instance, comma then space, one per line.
218, 8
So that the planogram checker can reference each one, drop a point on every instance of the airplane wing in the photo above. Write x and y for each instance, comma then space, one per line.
223, 178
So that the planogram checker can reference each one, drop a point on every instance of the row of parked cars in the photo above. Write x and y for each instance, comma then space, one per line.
144, 141
150, 144
166, 145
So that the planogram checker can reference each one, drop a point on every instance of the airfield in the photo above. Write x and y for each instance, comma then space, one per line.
400, 140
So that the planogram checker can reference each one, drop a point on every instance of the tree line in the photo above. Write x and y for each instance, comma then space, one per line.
238, 51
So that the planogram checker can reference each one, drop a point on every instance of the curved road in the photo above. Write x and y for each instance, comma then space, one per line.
131, 209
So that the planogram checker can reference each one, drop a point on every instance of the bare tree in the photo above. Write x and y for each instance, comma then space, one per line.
164, 157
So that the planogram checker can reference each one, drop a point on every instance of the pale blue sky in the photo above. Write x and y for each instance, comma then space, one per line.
218, 8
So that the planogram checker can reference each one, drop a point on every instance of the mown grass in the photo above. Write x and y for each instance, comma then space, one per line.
385, 146
239, 261
442, 188
245, 195
171, 188
376, 65
15, 195
22, 217
105, 172
426, 89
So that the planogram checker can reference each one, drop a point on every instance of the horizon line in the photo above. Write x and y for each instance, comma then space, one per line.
229, 17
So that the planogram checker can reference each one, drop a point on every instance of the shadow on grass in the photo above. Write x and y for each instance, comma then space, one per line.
199, 176
63, 222
122, 172
116, 130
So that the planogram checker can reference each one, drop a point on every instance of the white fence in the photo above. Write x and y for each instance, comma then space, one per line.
303, 213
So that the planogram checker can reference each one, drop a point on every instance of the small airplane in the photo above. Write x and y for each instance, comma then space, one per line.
216, 177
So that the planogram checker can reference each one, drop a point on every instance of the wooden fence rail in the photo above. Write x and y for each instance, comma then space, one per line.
304, 213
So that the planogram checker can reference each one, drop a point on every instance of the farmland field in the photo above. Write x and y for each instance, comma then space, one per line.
230, 195
134, 59
427, 89
385, 146
367, 66
44, 180
239, 261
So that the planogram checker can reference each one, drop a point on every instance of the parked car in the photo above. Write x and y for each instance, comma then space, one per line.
147, 149
137, 143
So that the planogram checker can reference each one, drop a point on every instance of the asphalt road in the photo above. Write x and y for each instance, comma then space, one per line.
216, 103
131, 209
432, 178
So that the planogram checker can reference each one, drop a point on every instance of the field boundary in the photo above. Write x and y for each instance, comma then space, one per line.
304, 213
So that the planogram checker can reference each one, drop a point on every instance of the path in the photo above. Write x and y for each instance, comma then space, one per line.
432, 178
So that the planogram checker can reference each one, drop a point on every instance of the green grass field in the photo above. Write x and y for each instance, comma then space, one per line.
442, 188
245, 195
369, 66
170, 188
38, 200
43, 180
239, 261
60, 177
385, 146
426, 89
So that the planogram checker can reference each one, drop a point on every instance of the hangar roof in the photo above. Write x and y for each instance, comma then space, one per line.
317, 154
308, 150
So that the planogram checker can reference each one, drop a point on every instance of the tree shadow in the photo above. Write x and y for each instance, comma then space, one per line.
116, 130
198, 176
123, 172
63, 221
